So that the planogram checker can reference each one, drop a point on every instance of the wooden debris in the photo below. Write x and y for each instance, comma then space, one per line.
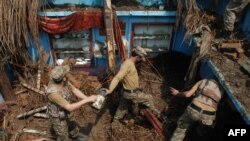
38, 78
108, 19
41, 115
32, 112
41, 139
32, 88
234, 50
34, 131
20, 91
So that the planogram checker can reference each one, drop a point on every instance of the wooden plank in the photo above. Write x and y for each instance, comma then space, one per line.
5, 86
108, 19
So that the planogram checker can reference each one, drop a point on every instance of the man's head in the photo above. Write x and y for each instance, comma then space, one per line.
59, 72
140, 53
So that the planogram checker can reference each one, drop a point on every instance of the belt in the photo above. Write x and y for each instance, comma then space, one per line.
132, 91
200, 110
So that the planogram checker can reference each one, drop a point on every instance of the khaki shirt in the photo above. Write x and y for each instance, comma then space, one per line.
58, 99
128, 75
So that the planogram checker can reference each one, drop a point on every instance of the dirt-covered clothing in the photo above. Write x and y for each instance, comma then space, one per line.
188, 118
137, 97
58, 99
127, 75
61, 120
202, 109
64, 128
233, 10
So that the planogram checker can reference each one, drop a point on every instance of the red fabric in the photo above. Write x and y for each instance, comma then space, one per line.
72, 23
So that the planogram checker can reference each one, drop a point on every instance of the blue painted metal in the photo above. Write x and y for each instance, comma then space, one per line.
151, 2
181, 43
146, 13
240, 108
118, 13
56, 13
76, 2
45, 43
205, 71
245, 23
32, 50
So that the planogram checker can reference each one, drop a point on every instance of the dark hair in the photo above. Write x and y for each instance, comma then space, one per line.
134, 54
57, 81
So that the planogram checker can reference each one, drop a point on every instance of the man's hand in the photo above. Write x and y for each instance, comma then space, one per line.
92, 98
174, 91
107, 91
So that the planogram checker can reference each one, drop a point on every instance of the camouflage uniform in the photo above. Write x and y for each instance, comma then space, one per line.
137, 97
61, 120
189, 117
209, 93
233, 10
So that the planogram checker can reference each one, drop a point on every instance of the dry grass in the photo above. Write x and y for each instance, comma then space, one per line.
18, 26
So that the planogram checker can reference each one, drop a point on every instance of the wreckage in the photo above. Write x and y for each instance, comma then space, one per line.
178, 36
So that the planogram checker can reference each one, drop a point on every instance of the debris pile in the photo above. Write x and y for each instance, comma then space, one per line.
28, 120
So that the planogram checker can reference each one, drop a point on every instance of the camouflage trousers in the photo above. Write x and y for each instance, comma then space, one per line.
137, 97
64, 128
189, 118
233, 10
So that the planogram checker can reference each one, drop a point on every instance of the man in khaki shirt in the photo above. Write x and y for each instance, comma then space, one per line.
129, 77
202, 109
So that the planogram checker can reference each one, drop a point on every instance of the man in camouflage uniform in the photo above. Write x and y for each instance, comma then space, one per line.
233, 10
130, 80
59, 106
202, 109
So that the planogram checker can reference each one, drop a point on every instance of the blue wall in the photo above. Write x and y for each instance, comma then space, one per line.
128, 17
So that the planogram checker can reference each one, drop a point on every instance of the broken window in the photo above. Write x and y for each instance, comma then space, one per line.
73, 45
154, 38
